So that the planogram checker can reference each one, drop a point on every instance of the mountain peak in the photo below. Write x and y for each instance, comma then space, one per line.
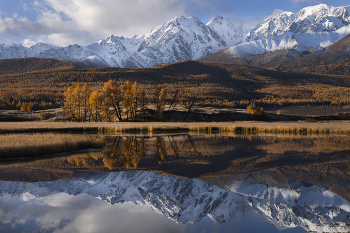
215, 19
277, 13
187, 38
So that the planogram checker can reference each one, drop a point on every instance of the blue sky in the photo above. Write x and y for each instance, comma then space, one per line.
65, 22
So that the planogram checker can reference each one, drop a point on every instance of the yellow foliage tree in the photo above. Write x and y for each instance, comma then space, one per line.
143, 104
95, 104
69, 105
86, 92
135, 100
127, 98
113, 98
159, 97
78, 102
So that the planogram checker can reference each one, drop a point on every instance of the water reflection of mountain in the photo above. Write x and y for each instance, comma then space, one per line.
314, 208
322, 160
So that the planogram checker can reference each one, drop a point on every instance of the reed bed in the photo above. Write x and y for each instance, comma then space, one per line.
163, 127
237, 129
26, 145
210, 129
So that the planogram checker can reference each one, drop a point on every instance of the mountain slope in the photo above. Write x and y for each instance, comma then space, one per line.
214, 84
233, 30
335, 59
177, 40
23, 65
310, 30
189, 200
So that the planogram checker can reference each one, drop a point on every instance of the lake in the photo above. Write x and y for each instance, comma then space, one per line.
183, 183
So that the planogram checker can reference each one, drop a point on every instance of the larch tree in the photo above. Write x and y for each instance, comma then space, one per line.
113, 98
127, 99
95, 104
143, 104
78, 102
135, 100
159, 97
69, 104
86, 92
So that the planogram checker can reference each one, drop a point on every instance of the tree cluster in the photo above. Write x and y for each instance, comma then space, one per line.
256, 113
116, 102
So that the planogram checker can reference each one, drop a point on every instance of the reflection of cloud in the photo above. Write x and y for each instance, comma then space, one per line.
27, 197
83, 213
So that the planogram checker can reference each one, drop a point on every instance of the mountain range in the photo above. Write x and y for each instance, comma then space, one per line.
313, 208
187, 38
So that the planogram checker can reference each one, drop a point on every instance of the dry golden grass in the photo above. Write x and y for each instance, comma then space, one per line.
23, 145
304, 127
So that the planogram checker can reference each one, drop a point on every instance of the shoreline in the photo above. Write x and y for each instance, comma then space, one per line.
122, 127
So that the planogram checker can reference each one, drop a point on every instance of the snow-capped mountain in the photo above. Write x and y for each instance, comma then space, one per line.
233, 30
311, 29
187, 38
182, 38
189, 200
15, 51
42, 47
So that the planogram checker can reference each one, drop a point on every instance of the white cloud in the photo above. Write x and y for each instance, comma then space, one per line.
119, 17
65, 22
307, 1
28, 42
24, 6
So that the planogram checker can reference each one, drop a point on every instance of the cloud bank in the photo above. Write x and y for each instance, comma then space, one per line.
65, 22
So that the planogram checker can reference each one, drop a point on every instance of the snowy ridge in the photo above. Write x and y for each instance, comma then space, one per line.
187, 38
182, 38
311, 29
189, 200
233, 30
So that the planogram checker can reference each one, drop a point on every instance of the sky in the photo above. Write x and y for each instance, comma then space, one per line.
66, 22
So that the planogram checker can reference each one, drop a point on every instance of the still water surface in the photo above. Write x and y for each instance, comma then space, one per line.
184, 183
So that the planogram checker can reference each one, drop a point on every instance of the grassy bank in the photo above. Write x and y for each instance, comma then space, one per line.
24, 145
325, 127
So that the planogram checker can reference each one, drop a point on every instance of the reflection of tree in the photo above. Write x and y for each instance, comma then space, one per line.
112, 154
174, 146
160, 152
129, 150
85, 160
193, 146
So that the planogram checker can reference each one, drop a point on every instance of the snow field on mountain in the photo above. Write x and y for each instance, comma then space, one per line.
187, 38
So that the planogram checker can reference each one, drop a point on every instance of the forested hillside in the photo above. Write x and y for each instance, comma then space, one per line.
214, 84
